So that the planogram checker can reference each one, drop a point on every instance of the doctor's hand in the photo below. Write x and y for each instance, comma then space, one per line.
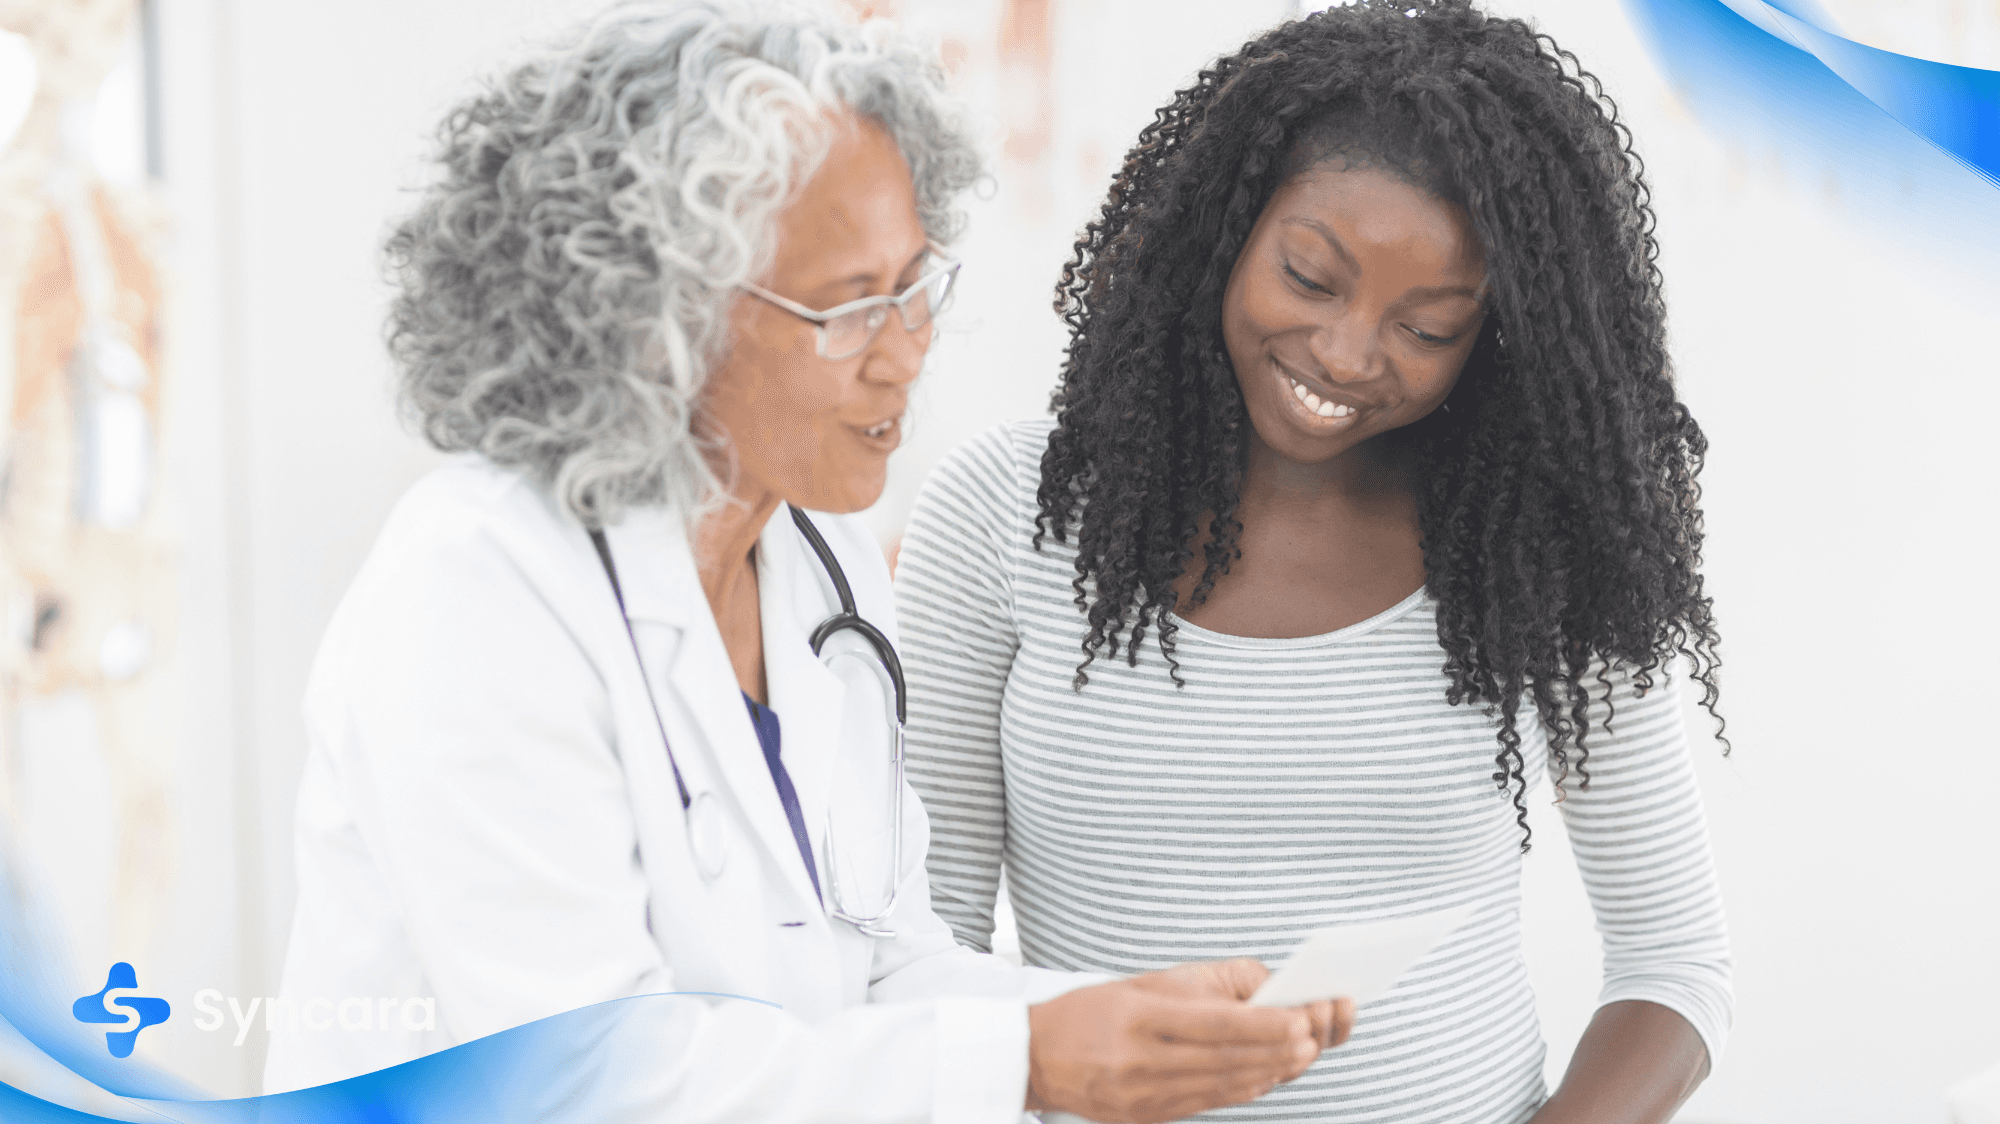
1170, 1044
1332, 1019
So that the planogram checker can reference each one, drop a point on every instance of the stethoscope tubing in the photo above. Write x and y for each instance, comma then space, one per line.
852, 620
848, 619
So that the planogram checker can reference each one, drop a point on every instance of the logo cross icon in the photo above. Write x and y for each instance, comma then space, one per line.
140, 1011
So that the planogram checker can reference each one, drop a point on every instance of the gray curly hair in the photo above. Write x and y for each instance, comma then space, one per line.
564, 288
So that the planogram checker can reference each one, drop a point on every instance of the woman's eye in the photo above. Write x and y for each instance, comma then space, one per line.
1303, 283
1426, 337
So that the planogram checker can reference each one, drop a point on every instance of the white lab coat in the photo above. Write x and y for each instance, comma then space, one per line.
487, 819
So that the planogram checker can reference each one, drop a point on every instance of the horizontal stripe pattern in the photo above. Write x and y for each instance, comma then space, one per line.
1290, 784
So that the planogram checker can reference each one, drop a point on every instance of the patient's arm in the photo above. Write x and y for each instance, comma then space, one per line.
1635, 1065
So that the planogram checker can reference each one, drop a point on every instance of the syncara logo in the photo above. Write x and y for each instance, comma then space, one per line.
140, 1011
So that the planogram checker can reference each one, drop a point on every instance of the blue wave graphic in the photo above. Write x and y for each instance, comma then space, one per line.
16, 1105
611, 1061
1956, 108
620, 1060
1917, 142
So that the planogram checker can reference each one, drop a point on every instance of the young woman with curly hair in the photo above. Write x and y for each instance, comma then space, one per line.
1367, 502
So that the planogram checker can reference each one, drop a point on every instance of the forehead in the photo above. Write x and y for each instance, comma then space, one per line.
859, 199
1375, 213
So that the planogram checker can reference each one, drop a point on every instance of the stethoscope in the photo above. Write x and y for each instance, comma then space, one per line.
706, 836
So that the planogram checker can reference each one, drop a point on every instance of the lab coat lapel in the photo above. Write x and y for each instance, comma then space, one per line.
656, 575
657, 570
702, 670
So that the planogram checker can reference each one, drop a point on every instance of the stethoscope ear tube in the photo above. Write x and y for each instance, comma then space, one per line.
884, 651
850, 619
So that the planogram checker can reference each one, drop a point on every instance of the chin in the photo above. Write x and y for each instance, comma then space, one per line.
857, 490
1275, 430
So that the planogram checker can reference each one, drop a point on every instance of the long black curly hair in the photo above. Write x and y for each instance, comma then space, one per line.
1556, 490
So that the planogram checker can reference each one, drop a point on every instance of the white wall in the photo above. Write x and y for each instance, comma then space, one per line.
293, 132
1845, 375
1845, 383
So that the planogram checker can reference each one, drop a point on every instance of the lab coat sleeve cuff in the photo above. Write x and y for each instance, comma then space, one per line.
982, 1061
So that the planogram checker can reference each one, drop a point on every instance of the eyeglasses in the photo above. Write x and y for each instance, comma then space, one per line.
846, 330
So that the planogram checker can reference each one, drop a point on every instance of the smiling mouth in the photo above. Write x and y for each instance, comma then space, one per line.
1315, 404
884, 436
1321, 414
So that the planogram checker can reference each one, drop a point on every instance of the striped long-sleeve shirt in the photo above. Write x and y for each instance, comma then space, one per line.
1292, 784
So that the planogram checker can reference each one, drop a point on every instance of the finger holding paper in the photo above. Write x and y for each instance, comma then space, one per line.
1332, 1020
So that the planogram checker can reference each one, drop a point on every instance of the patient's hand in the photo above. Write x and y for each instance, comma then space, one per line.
1170, 1044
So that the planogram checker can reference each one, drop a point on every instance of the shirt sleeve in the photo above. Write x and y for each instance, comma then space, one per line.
955, 608
1641, 843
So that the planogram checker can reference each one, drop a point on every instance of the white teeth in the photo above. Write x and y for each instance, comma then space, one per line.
879, 428
1313, 403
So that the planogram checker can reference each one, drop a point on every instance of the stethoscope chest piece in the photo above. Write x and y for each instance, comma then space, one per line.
707, 837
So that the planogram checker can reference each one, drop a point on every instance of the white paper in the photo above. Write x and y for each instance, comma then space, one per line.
1361, 962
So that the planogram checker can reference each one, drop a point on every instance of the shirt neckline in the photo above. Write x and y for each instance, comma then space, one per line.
1268, 643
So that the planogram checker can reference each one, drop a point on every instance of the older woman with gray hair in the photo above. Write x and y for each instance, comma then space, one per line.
598, 720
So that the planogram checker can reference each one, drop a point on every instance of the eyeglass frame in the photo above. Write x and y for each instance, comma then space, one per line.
900, 302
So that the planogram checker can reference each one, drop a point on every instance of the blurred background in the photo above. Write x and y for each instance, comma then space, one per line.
196, 419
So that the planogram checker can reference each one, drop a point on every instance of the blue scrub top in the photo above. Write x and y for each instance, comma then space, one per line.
766, 721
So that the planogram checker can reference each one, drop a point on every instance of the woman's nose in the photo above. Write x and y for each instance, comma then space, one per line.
1348, 350
896, 355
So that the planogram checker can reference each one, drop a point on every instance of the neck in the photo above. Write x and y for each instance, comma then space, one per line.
1270, 479
723, 544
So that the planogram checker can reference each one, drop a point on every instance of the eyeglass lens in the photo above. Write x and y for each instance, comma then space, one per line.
847, 335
